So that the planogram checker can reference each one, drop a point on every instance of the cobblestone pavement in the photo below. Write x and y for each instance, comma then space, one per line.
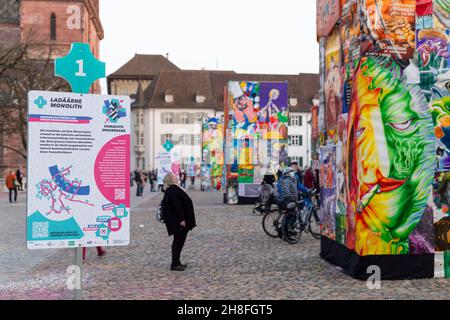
228, 257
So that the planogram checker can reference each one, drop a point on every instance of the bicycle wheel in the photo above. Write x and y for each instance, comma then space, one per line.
314, 224
291, 229
271, 222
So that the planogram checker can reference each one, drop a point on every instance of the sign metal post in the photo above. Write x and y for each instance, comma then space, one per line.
79, 263
80, 69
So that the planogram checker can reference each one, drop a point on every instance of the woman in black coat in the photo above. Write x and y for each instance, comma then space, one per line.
179, 217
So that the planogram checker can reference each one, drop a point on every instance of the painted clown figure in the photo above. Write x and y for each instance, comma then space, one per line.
391, 158
245, 116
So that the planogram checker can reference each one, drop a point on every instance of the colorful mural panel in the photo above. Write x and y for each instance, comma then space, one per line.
328, 196
389, 27
333, 82
213, 158
387, 64
256, 136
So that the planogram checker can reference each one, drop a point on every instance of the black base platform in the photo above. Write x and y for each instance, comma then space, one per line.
393, 267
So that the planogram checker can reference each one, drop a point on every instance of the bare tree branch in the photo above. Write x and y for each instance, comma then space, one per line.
23, 154
20, 74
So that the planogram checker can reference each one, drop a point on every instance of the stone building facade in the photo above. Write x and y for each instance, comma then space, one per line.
170, 104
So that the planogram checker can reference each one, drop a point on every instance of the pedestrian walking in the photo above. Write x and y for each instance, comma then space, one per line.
19, 177
179, 217
139, 182
183, 179
152, 179
144, 177
11, 184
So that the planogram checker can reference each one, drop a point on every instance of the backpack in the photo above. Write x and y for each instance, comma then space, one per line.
266, 194
160, 213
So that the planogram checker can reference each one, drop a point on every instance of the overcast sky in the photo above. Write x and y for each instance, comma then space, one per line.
247, 36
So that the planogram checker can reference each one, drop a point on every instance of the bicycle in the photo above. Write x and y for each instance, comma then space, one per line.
272, 220
303, 218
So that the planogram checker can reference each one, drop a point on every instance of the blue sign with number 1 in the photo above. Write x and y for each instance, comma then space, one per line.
80, 68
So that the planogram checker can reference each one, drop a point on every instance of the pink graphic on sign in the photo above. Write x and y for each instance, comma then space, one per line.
176, 167
112, 170
114, 224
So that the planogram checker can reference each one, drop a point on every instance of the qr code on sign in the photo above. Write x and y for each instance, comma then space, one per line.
40, 230
119, 194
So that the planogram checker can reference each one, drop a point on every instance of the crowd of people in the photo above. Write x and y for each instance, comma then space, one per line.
308, 177
141, 178
292, 181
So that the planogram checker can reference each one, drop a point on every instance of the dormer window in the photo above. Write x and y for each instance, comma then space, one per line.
168, 97
200, 98
293, 101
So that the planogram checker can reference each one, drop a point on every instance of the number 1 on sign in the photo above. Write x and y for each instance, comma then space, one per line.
80, 72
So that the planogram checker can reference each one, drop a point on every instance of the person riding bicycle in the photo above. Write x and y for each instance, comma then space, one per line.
287, 188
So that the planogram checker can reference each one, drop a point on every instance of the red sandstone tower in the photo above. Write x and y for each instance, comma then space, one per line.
54, 24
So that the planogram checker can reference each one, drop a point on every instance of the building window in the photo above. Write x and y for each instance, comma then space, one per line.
296, 140
185, 117
166, 137
184, 139
53, 27
140, 117
294, 121
293, 102
200, 98
168, 98
293, 140
167, 117
140, 138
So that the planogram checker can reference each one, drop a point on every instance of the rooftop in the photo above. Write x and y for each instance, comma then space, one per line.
186, 85
144, 66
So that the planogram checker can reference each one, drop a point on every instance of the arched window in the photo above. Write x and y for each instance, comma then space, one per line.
53, 27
